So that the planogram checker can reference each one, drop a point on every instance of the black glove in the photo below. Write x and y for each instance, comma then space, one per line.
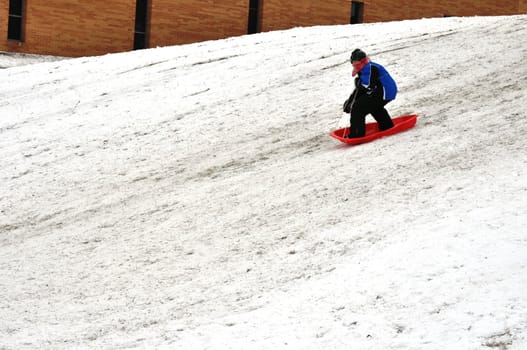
347, 104
361, 89
357, 82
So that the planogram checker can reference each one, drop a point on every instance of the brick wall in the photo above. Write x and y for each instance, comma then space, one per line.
4, 14
73, 28
186, 21
93, 27
279, 14
389, 10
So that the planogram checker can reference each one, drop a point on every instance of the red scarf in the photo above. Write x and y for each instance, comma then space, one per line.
358, 65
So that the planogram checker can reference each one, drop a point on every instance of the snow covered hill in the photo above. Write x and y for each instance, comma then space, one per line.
190, 197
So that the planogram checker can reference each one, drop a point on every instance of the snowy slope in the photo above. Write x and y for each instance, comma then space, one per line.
190, 197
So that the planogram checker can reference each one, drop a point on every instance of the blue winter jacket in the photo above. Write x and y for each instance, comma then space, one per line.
373, 76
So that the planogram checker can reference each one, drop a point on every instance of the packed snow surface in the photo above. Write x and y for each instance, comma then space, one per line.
189, 197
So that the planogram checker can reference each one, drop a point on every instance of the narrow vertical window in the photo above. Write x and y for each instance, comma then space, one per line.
357, 11
141, 24
254, 17
14, 27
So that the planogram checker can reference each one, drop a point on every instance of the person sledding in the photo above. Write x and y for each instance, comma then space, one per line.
374, 88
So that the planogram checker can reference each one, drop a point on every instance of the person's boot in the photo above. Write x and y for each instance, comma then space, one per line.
356, 132
386, 126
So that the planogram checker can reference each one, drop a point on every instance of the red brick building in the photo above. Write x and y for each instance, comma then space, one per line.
93, 27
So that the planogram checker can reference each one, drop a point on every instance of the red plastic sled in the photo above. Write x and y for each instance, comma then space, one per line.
372, 132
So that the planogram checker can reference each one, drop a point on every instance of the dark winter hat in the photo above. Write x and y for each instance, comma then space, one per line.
357, 55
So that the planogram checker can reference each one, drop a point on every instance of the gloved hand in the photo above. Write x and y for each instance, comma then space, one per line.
357, 82
361, 89
347, 105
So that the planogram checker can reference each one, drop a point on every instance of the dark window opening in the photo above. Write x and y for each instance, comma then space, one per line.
141, 25
254, 17
357, 11
14, 27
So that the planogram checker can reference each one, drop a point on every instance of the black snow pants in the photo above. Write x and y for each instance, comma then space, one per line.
369, 104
